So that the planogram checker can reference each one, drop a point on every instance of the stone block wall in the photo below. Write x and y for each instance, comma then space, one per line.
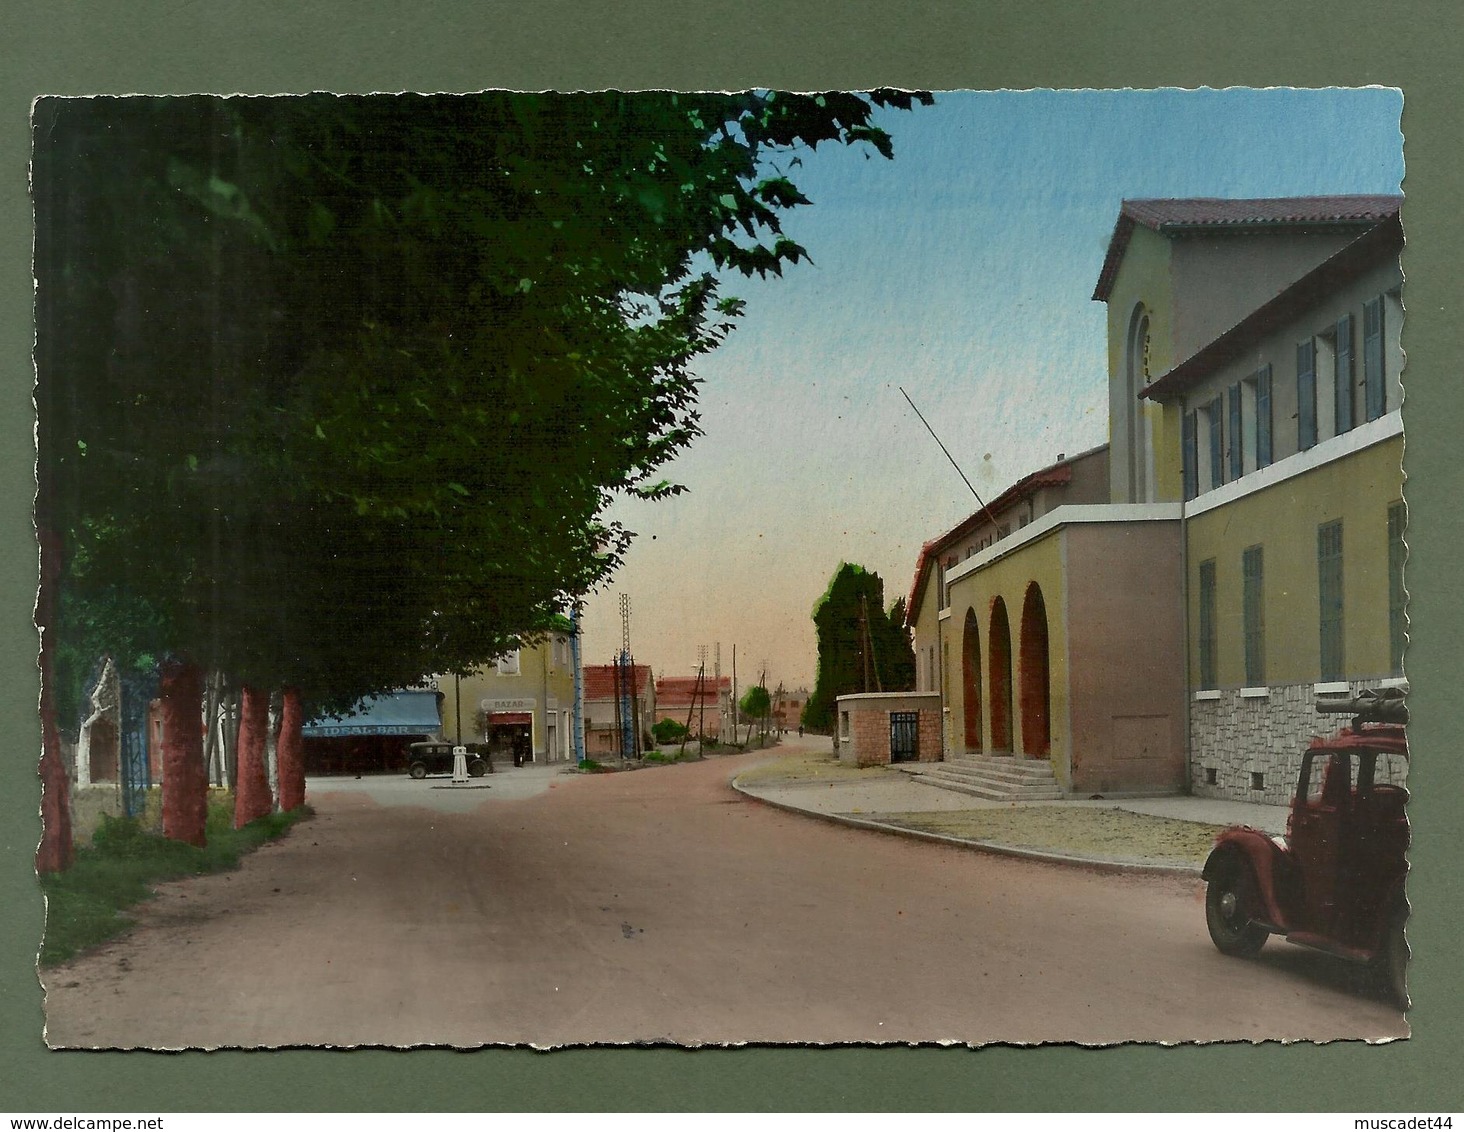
1237, 737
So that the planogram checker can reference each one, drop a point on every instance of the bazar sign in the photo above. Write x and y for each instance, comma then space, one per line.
524, 704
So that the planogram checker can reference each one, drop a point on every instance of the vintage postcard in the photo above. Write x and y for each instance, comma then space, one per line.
706, 569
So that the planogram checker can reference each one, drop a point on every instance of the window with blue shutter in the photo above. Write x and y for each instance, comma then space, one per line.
1189, 442
1252, 566
1306, 394
1329, 595
1344, 375
1217, 448
1207, 638
1372, 359
1237, 448
1263, 416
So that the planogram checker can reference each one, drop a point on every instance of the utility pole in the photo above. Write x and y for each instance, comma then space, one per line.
717, 684
579, 684
630, 724
736, 708
701, 669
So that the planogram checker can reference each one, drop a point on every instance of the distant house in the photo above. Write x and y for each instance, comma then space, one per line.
1172, 631
788, 708
705, 702
605, 705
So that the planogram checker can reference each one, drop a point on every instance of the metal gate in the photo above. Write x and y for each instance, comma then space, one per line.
137, 691
904, 736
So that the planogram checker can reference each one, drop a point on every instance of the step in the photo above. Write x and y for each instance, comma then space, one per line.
1037, 768
1004, 788
996, 792
1004, 773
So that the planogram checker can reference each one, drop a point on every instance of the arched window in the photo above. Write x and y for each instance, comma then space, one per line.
1136, 364
999, 644
971, 681
1036, 695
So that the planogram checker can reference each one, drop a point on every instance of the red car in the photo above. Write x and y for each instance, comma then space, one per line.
1335, 881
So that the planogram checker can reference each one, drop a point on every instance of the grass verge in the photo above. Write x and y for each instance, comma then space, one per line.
810, 766
85, 905
1110, 834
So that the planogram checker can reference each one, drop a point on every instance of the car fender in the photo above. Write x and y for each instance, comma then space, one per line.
1267, 861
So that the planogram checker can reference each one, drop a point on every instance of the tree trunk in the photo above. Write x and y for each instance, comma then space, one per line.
55, 850
252, 798
291, 752
185, 778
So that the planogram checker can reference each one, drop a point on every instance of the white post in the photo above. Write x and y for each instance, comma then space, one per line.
459, 766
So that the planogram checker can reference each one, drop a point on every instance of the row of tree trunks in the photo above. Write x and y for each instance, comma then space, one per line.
252, 798
290, 753
185, 777
185, 774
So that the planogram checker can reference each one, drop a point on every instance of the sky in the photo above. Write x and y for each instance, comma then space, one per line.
962, 271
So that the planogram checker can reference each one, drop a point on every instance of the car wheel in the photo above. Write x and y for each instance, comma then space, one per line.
477, 768
1230, 900
1390, 968
418, 770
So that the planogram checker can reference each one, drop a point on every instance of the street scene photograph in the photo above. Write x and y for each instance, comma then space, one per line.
706, 569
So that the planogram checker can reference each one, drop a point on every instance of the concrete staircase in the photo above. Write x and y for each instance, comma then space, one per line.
1003, 778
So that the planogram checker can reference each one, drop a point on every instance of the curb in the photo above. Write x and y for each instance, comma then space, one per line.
1096, 864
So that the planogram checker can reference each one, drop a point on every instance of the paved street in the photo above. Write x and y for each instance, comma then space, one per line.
663, 906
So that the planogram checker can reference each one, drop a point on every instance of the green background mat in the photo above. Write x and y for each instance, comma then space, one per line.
266, 47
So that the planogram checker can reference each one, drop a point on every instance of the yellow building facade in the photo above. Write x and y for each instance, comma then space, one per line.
1244, 555
521, 704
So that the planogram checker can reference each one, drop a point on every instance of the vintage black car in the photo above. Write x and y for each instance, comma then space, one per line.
436, 758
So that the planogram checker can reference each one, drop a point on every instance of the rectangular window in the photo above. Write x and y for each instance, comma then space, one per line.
943, 599
1306, 394
1343, 375
1217, 446
1329, 595
1190, 457
508, 664
1237, 447
1207, 640
1263, 417
1397, 595
1252, 566
1375, 390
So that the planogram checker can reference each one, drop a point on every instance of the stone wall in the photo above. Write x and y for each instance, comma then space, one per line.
1238, 736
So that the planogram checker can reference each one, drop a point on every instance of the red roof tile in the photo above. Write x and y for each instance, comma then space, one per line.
674, 691
1054, 475
1211, 213
599, 680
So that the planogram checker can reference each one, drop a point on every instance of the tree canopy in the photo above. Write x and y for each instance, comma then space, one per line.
861, 647
334, 391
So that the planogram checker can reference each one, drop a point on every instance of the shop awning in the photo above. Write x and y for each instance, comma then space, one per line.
506, 717
398, 713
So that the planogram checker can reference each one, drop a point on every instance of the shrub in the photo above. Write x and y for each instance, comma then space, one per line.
669, 731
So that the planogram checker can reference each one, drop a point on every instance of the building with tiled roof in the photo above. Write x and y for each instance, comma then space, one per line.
706, 701
606, 704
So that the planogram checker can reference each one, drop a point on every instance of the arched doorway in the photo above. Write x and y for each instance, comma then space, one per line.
1036, 676
999, 644
971, 681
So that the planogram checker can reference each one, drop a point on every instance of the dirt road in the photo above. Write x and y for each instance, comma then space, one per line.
661, 906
